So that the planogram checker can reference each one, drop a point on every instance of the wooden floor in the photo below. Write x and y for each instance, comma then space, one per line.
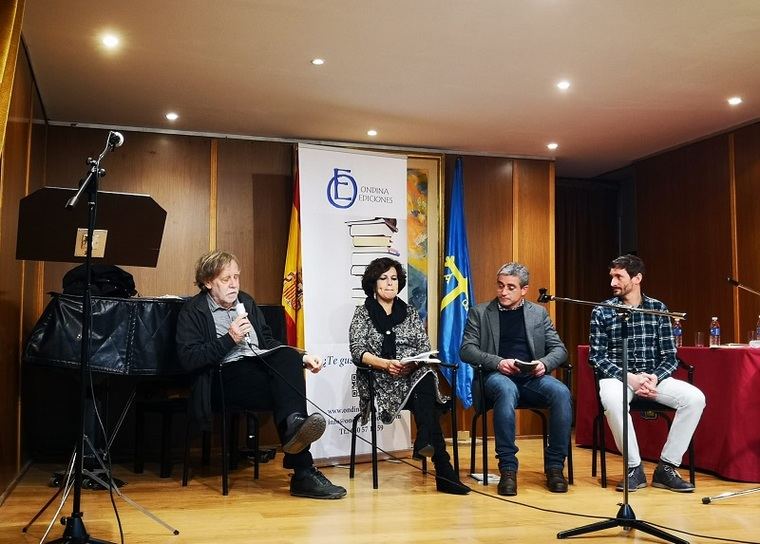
406, 508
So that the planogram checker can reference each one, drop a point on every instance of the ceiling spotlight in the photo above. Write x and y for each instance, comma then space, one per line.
111, 41
172, 116
372, 132
563, 85
317, 62
552, 146
735, 100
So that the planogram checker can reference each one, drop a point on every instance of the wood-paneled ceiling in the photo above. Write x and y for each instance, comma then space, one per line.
475, 76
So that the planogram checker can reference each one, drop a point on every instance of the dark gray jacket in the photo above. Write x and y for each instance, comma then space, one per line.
200, 351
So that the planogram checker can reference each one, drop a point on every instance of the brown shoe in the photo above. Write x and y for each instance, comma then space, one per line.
508, 483
555, 480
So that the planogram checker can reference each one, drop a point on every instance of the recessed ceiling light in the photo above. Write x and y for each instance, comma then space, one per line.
735, 100
552, 146
372, 132
317, 62
172, 116
563, 85
111, 41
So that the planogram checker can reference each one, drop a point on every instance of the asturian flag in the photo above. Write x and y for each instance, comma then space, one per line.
457, 291
292, 282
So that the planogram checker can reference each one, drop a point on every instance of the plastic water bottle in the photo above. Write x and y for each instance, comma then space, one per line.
677, 333
757, 329
714, 332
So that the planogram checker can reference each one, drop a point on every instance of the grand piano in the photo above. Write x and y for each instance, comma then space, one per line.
130, 336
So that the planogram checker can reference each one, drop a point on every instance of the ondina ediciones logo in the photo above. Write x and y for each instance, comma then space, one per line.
342, 189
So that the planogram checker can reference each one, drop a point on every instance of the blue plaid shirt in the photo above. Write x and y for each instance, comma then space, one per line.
650, 341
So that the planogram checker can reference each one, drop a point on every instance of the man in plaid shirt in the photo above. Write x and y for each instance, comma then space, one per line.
651, 363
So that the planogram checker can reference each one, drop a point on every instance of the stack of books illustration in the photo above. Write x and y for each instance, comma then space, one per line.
370, 239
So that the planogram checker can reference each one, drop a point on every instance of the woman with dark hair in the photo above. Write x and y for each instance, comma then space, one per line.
383, 331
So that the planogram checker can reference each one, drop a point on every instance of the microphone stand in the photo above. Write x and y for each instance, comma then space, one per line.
728, 495
75, 531
625, 517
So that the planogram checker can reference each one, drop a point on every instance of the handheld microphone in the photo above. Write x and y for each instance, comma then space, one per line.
115, 139
240, 309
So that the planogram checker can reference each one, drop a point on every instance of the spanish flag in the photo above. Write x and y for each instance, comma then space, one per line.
292, 284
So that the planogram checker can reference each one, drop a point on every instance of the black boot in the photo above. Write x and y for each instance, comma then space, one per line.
447, 481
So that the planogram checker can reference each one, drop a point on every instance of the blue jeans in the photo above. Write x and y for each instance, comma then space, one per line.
503, 393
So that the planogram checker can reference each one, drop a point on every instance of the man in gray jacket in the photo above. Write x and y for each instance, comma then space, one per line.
516, 344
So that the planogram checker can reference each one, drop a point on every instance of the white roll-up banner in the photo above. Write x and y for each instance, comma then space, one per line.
353, 210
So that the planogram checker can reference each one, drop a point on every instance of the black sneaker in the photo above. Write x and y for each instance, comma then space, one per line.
302, 431
666, 477
315, 485
636, 479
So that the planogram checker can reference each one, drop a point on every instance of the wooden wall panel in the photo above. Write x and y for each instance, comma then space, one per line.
684, 232
534, 223
174, 170
747, 176
13, 175
254, 199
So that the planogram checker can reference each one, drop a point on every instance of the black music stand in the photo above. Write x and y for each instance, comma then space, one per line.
625, 518
52, 228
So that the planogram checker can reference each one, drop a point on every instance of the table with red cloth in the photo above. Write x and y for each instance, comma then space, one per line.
727, 440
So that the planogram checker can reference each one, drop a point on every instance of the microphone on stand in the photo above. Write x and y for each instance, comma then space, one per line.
115, 139
732, 281
543, 296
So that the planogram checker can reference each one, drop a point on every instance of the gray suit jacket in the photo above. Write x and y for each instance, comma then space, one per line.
480, 343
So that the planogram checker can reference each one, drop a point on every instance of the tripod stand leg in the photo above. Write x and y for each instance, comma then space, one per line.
65, 485
627, 520
139, 507
41, 511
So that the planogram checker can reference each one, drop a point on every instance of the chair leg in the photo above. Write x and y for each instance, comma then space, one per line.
594, 444
252, 424
373, 430
374, 446
352, 459
473, 438
484, 423
225, 454
603, 450
692, 466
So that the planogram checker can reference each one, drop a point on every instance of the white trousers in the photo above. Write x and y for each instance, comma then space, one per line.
684, 397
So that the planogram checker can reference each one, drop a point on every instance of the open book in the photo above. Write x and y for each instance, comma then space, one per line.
424, 357
526, 366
